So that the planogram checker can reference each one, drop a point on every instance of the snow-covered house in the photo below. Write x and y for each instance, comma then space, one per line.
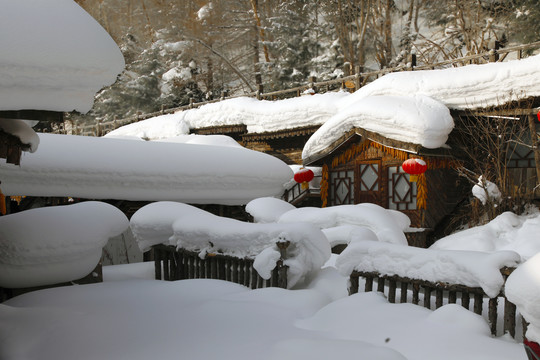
417, 114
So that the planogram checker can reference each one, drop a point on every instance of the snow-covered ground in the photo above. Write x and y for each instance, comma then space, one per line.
132, 317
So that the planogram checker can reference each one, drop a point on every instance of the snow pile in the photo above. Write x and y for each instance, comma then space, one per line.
107, 168
258, 116
486, 190
152, 224
21, 130
465, 87
207, 233
54, 56
469, 268
414, 119
507, 231
388, 225
267, 209
523, 289
51, 245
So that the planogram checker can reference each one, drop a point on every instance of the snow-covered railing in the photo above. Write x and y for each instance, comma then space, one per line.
433, 278
173, 263
297, 193
354, 82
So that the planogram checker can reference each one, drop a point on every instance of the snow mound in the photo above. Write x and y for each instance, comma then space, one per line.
51, 245
523, 289
388, 225
21, 130
469, 268
55, 56
267, 209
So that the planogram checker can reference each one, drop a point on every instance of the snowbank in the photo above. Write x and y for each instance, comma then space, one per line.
523, 289
469, 268
507, 231
258, 116
107, 168
21, 130
388, 225
54, 56
51, 245
267, 209
465, 87
414, 119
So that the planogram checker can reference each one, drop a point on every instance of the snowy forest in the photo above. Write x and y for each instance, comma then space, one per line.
195, 49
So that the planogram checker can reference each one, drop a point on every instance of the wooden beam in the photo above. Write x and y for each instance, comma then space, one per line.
40, 115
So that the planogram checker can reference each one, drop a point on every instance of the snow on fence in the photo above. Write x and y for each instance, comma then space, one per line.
434, 278
179, 264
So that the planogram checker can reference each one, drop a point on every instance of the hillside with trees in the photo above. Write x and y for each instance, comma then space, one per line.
194, 49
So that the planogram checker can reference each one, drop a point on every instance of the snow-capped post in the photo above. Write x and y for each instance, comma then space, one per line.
312, 81
281, 268
414, 167
303, 177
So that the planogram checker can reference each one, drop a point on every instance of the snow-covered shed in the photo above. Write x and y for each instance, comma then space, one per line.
419, 114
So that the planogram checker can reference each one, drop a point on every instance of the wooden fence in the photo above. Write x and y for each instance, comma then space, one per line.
434, 295
296, 193
177, 264
352, 82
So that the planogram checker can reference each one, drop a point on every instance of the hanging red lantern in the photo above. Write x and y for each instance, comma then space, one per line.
538, 115
304, 176
414, 167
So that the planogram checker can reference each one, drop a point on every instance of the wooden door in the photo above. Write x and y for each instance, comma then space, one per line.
369, 182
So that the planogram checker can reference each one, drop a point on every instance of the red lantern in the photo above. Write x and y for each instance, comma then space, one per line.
414, 167
304, 176
538, 115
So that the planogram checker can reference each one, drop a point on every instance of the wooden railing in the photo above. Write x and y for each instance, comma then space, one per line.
295, 193
434, 295
178, 264
354, 82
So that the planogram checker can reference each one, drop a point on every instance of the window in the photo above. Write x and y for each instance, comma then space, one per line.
341, 187
401, 192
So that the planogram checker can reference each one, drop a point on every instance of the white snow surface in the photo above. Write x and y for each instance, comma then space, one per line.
21, 130
51, 245
258, 116
465, 87
267, 209
388, 225
107, 168
523, 289
507, 231
193, 318
416, 119
469, 268
207, 233
54, 56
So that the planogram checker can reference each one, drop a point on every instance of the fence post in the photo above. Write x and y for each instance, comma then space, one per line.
281, 268
260, 90
411, 61
312, 81
493, 54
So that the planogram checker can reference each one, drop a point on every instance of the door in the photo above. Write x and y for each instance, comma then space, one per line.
369, 182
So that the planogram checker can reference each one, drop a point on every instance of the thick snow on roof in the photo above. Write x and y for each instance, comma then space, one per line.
55, 244
523, 289
258, 116
470, 268
413, 119
54, 56
465, 87
107, 168
21, 130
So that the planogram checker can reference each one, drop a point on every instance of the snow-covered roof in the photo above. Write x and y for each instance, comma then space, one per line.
465, 87
414, 119
107, 168
54, 56
258, 115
